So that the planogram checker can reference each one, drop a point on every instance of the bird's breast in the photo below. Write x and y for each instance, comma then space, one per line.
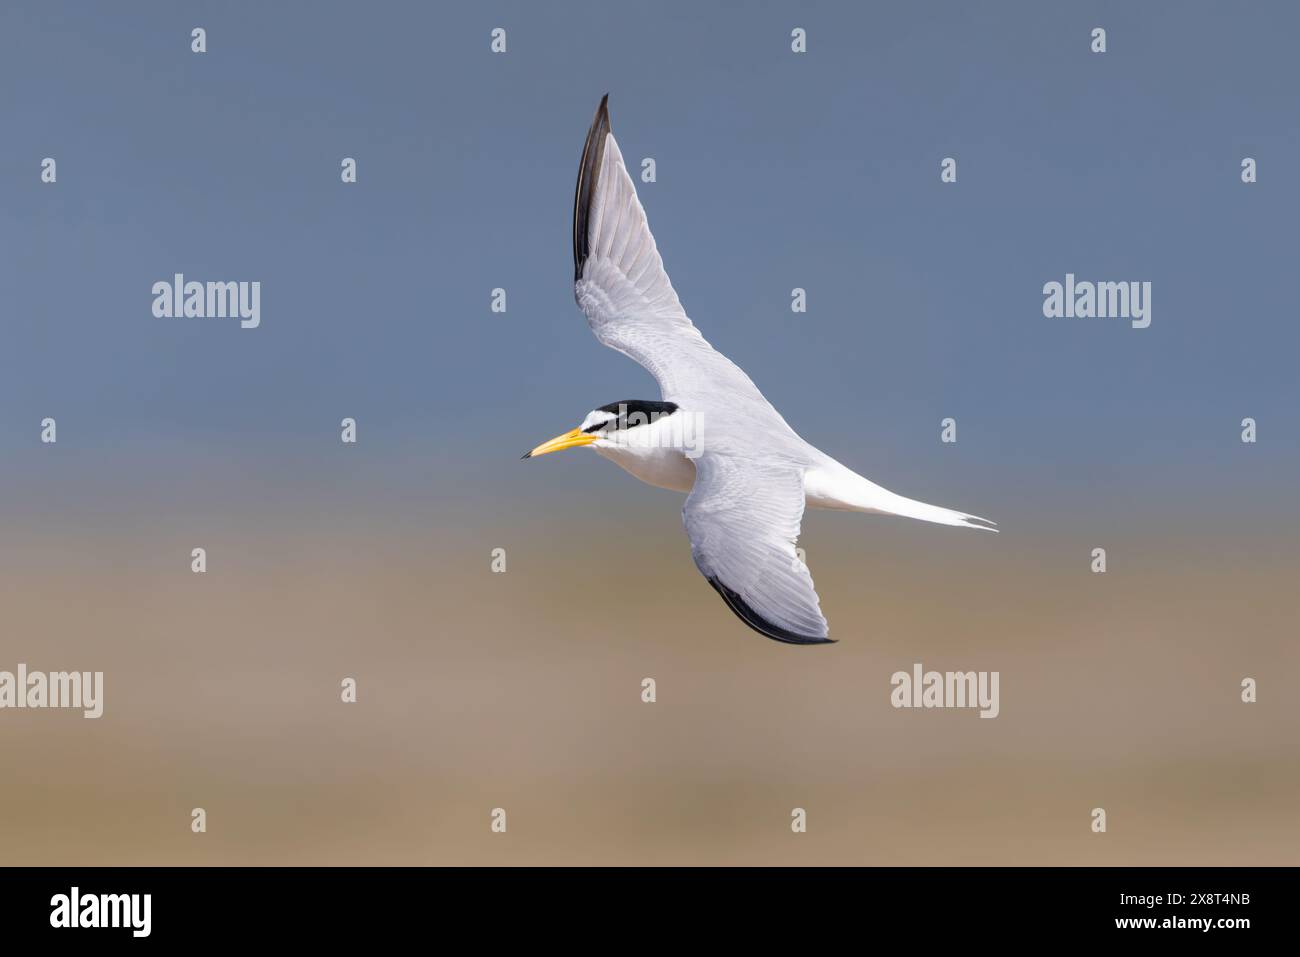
661, 467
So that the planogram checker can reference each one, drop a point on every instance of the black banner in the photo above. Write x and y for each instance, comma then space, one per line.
981, 905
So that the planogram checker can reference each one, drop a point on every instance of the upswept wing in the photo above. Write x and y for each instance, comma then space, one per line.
631, 306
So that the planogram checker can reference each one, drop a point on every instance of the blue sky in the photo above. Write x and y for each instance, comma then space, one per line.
775, 170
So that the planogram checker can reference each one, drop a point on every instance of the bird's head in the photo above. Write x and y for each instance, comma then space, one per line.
632, 422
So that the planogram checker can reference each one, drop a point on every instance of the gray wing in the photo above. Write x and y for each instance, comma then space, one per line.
631, 306
743, 518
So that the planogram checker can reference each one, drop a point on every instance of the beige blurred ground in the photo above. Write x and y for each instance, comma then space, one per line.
522, 691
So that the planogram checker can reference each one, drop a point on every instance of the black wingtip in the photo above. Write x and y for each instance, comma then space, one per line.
745, 612
593, 151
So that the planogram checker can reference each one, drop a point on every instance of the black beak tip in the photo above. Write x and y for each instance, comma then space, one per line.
526, 455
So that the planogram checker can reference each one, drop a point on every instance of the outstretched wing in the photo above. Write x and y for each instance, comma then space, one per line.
742, 518
619, 277
631, 306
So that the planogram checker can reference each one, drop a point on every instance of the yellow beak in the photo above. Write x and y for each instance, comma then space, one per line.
569, 440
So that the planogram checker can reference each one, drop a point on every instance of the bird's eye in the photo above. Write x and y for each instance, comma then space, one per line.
597, 427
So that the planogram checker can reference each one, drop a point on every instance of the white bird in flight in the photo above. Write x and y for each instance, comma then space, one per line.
713, 435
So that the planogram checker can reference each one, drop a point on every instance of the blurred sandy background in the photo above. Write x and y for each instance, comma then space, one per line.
522, 690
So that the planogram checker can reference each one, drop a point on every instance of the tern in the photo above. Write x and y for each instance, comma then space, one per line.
748, 476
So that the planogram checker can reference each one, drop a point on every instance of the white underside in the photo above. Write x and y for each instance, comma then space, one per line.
832, 486
662, 468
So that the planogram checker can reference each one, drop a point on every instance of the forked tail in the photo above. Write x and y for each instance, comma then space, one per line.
842, 488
